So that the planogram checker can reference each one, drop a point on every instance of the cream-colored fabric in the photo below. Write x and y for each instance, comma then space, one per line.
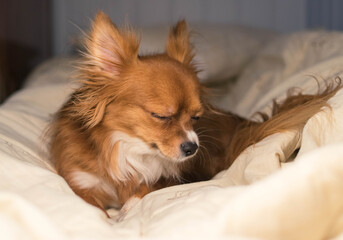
293, 60
259, 197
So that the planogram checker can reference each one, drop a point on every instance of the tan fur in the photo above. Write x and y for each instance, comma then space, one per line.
122, 129
179, 45
122, 93
292, 114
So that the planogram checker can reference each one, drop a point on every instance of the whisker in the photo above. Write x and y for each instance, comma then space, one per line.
208, 154
202, 157
205, 131
213, 144
209, 136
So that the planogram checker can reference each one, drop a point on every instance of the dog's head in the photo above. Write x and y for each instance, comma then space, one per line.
156, 98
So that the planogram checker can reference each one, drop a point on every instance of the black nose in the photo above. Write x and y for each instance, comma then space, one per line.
188, 148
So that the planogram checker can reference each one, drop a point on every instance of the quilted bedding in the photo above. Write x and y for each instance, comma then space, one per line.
259, 197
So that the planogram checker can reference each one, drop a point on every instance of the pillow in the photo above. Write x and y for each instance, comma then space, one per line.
222, 51
53, 71
291, 60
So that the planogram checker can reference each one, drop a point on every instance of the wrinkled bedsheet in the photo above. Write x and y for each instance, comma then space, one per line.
261, 196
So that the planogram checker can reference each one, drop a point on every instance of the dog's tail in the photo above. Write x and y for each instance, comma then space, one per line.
292, 114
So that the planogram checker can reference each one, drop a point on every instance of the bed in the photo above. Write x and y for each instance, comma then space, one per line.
261, 196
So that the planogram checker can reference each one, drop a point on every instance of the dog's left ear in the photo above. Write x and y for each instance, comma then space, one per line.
179, 46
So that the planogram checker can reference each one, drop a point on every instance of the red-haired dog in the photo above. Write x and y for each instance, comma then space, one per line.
136, 123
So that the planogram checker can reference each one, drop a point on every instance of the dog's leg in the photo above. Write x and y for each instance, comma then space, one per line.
129, 204
90, 197
132, 201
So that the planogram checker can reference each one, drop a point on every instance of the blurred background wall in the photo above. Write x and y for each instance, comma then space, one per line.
279, 15
34, 30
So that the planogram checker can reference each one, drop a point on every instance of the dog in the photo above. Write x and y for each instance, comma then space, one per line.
140, 123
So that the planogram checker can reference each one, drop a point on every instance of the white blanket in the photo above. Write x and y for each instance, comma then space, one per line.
259, 197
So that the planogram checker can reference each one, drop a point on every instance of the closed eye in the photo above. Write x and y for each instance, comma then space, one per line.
196, 118
160, 117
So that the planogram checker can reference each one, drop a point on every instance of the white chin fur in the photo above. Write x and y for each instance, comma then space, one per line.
182, 159
137, 159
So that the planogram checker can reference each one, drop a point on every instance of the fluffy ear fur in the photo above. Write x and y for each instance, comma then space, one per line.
108, 51
178, 45
110, 48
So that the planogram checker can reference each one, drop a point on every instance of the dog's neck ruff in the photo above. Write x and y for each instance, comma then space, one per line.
137, 160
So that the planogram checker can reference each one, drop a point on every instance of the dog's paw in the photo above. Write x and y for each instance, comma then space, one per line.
126, 208
121, 215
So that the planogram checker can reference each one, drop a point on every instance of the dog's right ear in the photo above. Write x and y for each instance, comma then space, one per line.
110, 48
108, 51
